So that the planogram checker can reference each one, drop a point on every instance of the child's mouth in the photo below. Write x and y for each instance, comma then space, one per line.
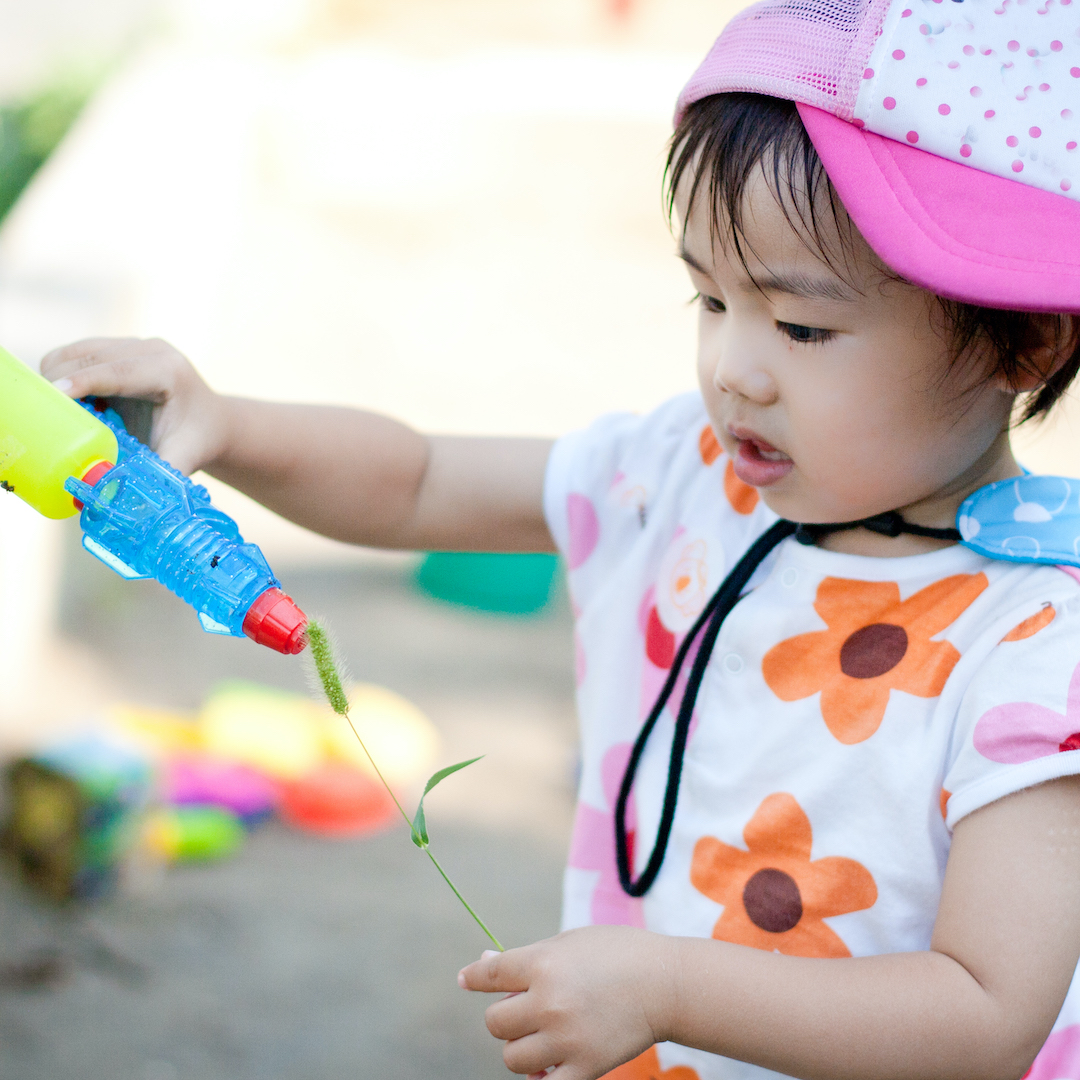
760, 464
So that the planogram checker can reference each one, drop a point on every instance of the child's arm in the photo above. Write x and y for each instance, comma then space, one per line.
353, 475
977, 1006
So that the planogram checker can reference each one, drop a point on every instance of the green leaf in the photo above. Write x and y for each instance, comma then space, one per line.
419, 823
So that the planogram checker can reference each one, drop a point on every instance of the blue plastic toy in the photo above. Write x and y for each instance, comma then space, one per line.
144, 519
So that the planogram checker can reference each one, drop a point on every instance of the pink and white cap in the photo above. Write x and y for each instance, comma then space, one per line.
949, 129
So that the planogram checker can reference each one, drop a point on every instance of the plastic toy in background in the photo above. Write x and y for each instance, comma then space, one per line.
244, 792
161, 733
400, 737
139, 515
280, 734
253, 750
337, 800
74, 814
80, 808
507, 584
288, 737
192, 833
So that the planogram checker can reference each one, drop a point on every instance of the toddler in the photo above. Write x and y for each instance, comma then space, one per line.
829, 817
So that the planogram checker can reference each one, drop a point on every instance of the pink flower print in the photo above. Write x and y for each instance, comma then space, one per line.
1024, 731
1059, 1059
659, 641
660, 647
592, 846
584, 529
645, 607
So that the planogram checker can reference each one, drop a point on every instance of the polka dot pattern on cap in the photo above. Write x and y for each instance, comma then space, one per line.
988, 83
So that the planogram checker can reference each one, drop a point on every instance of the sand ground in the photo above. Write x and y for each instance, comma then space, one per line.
304, 958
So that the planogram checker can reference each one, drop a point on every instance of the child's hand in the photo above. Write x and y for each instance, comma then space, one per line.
189, 428
585, 1001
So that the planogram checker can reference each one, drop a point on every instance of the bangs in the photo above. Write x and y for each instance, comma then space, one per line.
723, 142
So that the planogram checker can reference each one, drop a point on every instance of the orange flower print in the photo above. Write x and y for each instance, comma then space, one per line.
709, 445
647, 1067
875, 643
741, 495
774, 897
683, 585
1031, 626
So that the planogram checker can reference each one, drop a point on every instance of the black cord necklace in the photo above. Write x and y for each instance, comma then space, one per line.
708, 625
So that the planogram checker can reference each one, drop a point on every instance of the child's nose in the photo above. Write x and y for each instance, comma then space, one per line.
748, 382
732, 359
735, 367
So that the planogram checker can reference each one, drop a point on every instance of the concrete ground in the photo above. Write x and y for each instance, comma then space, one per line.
304, 958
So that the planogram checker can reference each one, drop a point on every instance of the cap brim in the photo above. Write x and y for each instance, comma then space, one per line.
960, 232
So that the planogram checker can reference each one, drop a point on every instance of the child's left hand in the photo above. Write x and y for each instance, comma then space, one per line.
585, 1001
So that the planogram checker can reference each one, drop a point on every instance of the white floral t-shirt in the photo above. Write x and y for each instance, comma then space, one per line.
853, 711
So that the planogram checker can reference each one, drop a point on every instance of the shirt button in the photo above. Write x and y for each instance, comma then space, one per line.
789, 578
733, 663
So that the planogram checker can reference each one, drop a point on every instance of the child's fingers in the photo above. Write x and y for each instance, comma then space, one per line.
88, 353
531, 1055
496, 973
71, 357
186, 427
109, 366
113, 379
513, 1017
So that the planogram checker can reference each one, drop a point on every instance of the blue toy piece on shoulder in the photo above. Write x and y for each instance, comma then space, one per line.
1029, 519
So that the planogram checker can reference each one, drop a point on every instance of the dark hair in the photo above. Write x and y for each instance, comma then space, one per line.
723, 140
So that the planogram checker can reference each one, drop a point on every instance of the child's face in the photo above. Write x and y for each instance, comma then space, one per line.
834, 394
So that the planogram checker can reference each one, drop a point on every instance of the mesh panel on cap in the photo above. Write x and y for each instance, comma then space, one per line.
813, 51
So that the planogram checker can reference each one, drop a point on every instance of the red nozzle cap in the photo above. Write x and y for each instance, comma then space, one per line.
276, 622
91, 478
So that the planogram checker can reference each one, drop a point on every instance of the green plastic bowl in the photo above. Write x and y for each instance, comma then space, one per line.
509, 584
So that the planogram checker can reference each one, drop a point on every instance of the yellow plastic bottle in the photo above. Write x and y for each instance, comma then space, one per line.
45, 437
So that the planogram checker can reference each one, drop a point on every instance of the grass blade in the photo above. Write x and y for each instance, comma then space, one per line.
419, 823
321, 652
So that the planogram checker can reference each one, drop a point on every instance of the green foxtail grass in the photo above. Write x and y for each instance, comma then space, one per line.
328, 673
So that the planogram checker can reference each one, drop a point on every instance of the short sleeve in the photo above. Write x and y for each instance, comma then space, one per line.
1019, 719
603, 481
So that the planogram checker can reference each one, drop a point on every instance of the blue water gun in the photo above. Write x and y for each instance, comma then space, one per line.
139, 515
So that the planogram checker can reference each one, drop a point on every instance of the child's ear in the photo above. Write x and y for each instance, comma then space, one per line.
1054, 340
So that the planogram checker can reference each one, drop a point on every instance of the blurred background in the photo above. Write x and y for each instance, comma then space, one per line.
448, 210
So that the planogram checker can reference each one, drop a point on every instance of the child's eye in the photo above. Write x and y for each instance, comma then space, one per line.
709, 303
810, 335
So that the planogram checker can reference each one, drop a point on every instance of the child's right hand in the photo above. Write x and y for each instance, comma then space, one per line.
580, 1003
190, 423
